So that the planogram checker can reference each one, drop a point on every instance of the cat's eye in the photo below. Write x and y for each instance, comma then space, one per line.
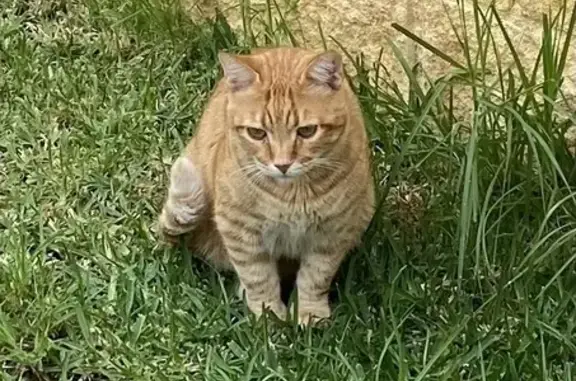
256, 133
307, 131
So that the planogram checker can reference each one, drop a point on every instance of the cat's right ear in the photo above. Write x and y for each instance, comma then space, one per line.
325, 71
237, 71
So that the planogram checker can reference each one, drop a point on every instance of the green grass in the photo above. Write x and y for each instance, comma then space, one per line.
468, 271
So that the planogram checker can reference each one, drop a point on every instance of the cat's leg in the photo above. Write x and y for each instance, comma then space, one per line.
259, 284
278, 307
257, 272
313, 281
186, 203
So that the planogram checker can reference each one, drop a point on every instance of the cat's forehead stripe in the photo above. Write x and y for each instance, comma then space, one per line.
292, 111
290, 108
280, 105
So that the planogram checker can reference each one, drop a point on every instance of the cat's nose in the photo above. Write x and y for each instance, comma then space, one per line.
283, 167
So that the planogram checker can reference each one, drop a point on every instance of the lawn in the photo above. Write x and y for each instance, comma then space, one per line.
468, 271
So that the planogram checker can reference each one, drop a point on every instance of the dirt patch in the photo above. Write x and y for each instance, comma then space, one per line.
364, 26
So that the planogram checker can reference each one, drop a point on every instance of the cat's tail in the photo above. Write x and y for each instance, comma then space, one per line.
186, 204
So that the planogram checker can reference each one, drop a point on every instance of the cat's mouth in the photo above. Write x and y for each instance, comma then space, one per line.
273, 172
281, 177
284, 174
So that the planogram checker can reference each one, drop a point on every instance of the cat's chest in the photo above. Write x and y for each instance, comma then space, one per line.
290, 235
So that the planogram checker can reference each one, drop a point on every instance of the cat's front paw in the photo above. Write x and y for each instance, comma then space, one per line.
279, 309
257, 308
314, 314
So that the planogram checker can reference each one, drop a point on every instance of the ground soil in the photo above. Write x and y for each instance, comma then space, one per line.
366, 26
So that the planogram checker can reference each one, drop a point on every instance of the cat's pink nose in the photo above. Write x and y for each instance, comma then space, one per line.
283, 167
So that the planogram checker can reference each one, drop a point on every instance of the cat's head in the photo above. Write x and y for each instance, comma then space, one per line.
287, 112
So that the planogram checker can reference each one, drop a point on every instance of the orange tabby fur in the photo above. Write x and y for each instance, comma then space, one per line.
228, 192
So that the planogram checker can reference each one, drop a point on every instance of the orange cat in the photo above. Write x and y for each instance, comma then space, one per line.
278, 168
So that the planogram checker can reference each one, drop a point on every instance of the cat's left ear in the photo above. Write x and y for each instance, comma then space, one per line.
325, 70
237, 70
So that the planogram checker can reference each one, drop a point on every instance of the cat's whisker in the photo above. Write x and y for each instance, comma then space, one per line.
254, 173
323, 163
247, 170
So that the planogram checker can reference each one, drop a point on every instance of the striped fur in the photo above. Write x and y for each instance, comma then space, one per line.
247, 215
